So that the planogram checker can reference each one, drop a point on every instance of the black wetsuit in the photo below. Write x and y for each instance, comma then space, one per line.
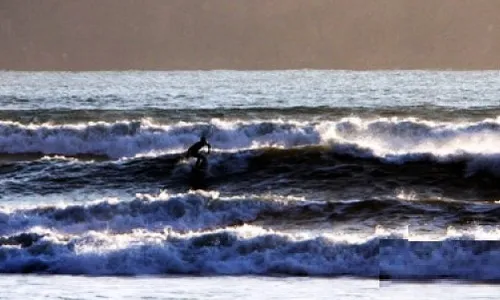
193, 151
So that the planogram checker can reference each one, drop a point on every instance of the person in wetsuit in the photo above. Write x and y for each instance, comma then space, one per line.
193, 151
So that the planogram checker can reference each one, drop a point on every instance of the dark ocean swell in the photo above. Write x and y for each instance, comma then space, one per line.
345, 171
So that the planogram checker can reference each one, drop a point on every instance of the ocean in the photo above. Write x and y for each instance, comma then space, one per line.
319, 185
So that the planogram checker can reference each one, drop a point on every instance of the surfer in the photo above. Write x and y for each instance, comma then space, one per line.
193, 151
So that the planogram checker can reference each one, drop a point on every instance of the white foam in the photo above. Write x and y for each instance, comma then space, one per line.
392, 139
254, 250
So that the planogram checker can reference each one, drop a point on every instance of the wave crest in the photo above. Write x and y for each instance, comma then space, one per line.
252, 250
383, 136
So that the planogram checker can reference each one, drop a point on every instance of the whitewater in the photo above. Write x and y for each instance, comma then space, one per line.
357, 183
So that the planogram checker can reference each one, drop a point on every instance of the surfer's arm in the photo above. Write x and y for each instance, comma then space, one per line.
208, 146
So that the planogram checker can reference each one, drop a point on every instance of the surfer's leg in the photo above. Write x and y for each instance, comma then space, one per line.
198, 159
203, 159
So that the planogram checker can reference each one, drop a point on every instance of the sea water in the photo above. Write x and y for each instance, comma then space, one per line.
321, 184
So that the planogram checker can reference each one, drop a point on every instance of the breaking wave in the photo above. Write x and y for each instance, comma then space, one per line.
252, 250
384, 137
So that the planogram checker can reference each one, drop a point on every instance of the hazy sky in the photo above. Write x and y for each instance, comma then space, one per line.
249, 34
